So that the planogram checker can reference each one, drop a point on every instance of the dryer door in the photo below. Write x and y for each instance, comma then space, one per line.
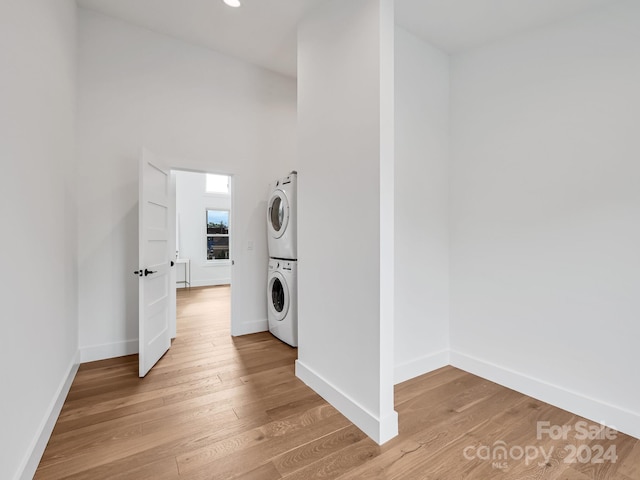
278, 296
278, 214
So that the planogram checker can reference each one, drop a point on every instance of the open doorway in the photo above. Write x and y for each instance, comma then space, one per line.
203, 233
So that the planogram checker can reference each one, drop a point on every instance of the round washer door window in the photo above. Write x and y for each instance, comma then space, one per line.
278, 296
278, 214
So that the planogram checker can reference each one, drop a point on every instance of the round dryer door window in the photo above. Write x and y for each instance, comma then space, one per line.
278, 214
279, 296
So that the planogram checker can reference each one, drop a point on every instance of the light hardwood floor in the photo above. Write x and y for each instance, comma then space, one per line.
217, 407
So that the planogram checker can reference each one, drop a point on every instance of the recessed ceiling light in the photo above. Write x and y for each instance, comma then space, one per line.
233, 3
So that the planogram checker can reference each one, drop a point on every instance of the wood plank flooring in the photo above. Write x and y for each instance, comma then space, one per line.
217, 407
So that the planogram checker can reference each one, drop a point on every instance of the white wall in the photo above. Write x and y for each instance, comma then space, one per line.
192, 202
345, 215
546, 214
201, 111
38, 211
421, 207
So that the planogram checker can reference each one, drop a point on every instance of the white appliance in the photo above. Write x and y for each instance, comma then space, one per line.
282, 218
282, 300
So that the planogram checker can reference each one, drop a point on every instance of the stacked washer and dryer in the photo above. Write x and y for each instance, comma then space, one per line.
282, 285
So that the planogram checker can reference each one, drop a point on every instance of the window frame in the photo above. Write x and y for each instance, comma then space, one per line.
207, 235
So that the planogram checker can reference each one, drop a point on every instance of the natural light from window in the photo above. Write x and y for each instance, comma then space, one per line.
217, 234
217, 183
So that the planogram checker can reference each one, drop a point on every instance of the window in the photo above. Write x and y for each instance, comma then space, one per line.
217, 184
217, 234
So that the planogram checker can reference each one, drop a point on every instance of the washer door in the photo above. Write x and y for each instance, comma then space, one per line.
278, 296
278, 214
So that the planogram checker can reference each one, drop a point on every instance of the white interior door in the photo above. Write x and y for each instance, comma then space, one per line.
154, 257
172, 253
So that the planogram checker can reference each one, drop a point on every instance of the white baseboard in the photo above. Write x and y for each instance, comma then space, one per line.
247, 328
32, 459
623, 420
93, 353
379, 429
207, 283
420, 366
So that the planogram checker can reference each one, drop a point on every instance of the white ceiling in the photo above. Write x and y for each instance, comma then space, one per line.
263, 32
457, 25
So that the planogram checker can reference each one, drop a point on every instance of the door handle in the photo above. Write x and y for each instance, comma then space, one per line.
138, 272
172, 264
148, 272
